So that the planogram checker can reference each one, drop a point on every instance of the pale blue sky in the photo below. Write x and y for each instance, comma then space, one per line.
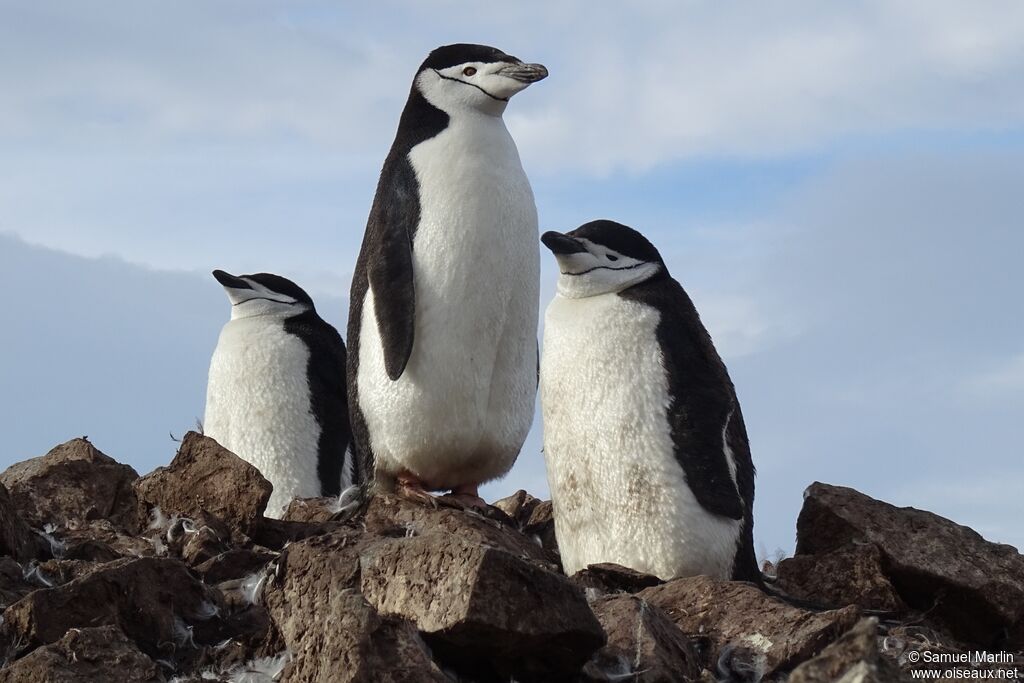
837, 186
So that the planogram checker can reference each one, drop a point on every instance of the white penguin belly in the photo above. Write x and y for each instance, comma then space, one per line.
619, 494
461, 410
257, 406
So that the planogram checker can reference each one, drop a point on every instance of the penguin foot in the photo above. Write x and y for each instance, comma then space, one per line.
408, 486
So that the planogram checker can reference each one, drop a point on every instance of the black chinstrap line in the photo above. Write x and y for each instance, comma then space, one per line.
459, 80
264, 298
591, 270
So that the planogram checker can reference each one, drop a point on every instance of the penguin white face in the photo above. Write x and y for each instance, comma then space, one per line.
602, 257
263, 294
474, 77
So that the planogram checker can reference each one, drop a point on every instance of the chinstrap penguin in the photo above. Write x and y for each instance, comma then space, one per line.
276, 395
646, 451
443, 318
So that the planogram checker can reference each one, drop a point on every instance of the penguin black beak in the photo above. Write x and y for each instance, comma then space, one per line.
561, 244
524, 73
229, 280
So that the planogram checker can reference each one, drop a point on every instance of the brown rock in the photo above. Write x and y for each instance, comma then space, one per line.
16, 538
233, 564
82, 656
144, 597
643, 645
607, 577
853, 657
332, 632
13, 586
753, 626
391, 515
973, 587
310, 510
518, 506
534, 517
852, 575
204, 477
484, 611
73, 482
101, 541
59, 572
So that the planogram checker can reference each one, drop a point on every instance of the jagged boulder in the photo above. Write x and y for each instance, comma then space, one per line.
84, 655
643, 645
154, 601
855, 656
333, 633
484, 610
742, 623
206, 478
73, 483
535, 518
16, 538
850, 575
971, 586
607, 577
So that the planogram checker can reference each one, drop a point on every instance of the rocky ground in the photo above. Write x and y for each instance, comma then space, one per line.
177, 576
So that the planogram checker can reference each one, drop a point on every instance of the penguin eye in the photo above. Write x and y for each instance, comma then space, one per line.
612, 257
468, 71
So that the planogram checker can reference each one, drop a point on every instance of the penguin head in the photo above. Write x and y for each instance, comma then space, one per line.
263, 294
602, 257
461, 77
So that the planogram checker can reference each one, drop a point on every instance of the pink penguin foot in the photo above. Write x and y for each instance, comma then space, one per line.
408, 486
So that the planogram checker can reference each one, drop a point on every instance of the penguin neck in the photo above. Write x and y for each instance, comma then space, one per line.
420, 121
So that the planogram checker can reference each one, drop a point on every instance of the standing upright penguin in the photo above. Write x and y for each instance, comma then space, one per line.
646, 450
276, 392
443, 313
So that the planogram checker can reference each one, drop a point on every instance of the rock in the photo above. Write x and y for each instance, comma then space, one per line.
753, 626
16, 538
971, 586
100, 541
534, 517
73, 482
331, 631
643, 645
854, 657
484, 611
310, 510
13, 586
851, 575
233, 564
156, 602
391, 515
59, 572
204, 477
81, 656
607, 577
518, 506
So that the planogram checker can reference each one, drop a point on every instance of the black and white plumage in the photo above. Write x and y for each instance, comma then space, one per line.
276, 395
442, 320
646, 450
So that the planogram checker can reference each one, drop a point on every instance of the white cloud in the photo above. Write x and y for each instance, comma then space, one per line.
632, 86
1005, 378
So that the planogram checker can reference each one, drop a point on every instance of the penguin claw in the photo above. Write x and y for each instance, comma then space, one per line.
411, 488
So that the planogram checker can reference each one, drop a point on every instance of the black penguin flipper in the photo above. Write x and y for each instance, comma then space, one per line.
329, 397
745, 567
701, 396
387, 248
